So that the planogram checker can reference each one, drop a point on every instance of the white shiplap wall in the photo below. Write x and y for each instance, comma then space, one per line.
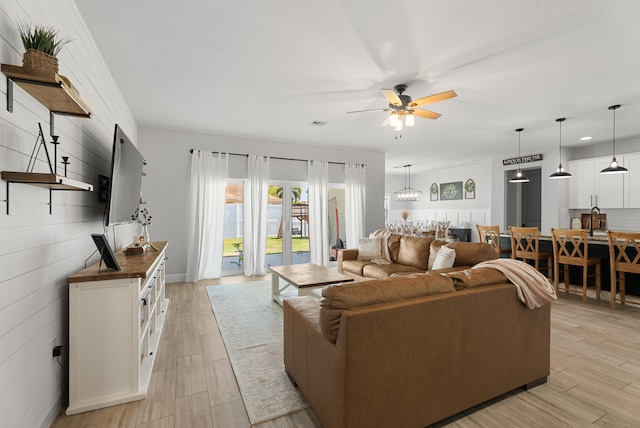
39, 251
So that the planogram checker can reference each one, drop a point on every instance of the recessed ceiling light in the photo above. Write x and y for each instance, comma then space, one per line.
585, 138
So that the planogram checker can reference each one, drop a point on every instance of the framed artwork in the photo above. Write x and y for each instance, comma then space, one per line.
106, 253
451, 191
470, 189
433, 193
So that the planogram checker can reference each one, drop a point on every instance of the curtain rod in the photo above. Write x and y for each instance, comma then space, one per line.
289, 159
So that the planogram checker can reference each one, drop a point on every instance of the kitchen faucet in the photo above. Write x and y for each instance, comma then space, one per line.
593, 210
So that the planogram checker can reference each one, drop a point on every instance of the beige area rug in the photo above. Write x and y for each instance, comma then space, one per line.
251, 327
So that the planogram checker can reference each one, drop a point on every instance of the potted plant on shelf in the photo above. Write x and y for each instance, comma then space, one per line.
42, 46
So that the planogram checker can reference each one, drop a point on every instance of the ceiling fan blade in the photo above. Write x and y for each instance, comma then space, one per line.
385, 122
373, 109
391, 96
430, 99
427, 114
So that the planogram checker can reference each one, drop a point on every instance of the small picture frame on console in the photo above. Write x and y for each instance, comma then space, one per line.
106, 253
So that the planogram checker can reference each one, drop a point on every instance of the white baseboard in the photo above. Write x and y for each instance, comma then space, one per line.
178, 277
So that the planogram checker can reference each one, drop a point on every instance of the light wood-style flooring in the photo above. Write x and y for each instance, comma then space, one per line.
595, 375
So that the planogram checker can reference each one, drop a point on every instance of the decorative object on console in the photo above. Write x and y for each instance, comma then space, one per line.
519, 177
470, 189
106, 253
407, 194
614, 167
143, 217
42, 46
451, 191
560, 172
405, 215
433, 192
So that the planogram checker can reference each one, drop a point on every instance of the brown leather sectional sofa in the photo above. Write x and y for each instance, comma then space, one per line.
412, 350
412, 255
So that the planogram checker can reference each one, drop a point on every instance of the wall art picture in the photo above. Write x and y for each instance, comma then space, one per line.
433, 194
470, 189
451, 191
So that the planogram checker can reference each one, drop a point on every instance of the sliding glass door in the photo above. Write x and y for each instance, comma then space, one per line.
288, 224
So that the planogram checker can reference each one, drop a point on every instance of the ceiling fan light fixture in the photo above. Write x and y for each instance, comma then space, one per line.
614, 167
407, 194
560, 172
519, 177
393, 120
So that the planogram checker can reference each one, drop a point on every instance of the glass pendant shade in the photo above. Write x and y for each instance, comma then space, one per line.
519, 177
560, 172
409, 120
614, 167
407, 194
393, 120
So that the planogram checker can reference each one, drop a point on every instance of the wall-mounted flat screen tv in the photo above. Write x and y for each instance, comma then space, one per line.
126, 180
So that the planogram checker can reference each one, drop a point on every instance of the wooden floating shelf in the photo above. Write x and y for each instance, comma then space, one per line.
49, 181
48, 88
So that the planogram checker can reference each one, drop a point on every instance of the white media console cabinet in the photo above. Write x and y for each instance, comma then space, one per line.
115, 323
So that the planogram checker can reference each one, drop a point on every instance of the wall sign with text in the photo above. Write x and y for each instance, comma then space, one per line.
522, 159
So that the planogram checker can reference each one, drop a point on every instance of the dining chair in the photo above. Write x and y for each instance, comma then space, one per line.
571, 248
442, 230
525, 245
491, 235
624, 257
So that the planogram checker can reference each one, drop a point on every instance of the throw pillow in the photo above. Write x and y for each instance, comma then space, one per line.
445, 258
370, 248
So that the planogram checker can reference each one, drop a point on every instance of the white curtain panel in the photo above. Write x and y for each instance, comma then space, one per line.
318, 172
355, 190
206, 214
256, 202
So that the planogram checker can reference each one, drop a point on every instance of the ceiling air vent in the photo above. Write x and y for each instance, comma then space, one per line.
318, 123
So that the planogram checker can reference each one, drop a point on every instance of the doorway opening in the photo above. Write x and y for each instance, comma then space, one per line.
523, 201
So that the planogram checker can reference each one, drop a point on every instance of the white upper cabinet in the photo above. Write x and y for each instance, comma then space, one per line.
588, 187
632, 181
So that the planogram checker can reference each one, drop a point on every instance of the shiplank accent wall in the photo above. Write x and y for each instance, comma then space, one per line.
38, 250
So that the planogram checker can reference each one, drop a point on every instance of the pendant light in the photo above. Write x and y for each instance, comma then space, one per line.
519, 177
613, 167
407, 194
560, 172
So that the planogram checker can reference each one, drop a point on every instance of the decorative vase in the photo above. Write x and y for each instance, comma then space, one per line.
37, 60
145, 233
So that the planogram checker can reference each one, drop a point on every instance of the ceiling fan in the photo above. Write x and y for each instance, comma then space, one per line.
401, 105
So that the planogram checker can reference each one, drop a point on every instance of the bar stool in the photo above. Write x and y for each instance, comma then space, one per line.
624, 256
491, 235
571, 247
525, 246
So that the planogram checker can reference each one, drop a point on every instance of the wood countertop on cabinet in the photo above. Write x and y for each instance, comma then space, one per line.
132, 266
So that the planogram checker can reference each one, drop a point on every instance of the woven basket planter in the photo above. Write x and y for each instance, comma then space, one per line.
37, 60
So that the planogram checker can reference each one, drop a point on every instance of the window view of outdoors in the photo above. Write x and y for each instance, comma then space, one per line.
233, 256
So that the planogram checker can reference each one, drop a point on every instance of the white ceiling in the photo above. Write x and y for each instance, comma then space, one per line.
268, 68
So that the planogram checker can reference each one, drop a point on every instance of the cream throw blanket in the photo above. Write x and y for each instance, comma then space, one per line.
533, 288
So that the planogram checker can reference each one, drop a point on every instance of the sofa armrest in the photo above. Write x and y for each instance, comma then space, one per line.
346, 254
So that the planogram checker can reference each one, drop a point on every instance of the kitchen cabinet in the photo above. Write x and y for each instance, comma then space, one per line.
588, 187
632, 180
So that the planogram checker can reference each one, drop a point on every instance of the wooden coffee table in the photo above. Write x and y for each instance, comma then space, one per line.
304, 277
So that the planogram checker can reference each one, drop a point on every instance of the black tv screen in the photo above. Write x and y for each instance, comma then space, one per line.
126, 180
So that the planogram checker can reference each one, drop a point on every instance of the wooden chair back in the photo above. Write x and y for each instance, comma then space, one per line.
442, 229
570, 246
490, 235
524, 242
624, 256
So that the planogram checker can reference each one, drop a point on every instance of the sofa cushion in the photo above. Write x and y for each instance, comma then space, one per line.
414, 251
472, 253
342, 297
445, 258
355, 266
369, 248
471, 278
392, 240
434, 247
384, 271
